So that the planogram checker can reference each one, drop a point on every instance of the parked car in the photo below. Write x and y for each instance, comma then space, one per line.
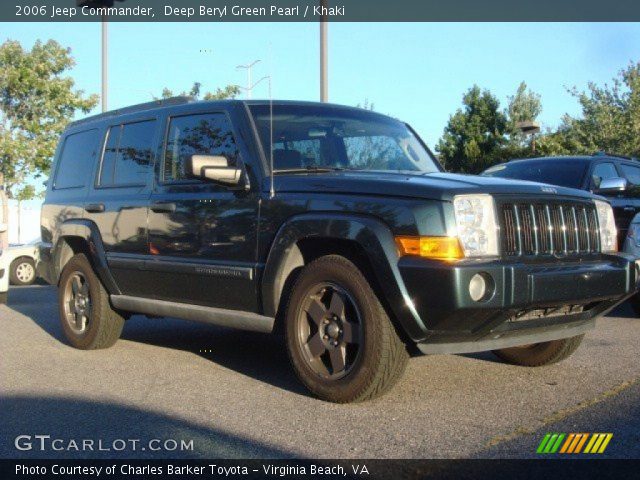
616, 178
631, 246
331, 224
22, 261
4, 277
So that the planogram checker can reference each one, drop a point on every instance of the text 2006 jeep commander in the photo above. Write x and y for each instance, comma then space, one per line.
332, 224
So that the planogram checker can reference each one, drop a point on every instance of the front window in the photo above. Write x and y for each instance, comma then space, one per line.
312, 137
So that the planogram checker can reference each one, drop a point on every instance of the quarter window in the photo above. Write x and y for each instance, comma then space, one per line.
207, 134
128, 154
76, 160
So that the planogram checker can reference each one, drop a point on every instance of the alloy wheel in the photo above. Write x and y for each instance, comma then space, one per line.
77, 302
330, 331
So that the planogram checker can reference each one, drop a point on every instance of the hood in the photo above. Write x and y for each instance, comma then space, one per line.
432, 186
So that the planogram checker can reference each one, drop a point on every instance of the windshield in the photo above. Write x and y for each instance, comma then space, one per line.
311, 137
565, 173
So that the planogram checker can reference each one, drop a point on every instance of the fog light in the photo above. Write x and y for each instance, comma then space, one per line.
480, 287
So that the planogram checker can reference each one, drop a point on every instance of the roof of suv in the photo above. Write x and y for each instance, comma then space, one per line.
182, 100
579, 158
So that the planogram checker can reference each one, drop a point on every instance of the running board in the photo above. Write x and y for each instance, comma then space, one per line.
198, 313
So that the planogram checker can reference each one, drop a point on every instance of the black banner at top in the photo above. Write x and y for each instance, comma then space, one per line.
314, 10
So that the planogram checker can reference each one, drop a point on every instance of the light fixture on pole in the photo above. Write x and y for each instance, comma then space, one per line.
248, 67
530, 127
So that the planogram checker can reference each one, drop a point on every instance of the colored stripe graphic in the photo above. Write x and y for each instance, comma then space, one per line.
573, 443
551, 443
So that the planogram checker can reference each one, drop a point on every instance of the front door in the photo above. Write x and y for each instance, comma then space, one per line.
202, 236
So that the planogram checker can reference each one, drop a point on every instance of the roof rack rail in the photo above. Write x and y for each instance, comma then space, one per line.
179, 100
602, 153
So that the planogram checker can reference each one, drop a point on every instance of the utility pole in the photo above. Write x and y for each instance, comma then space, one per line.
248, 67
105, 63
324, 31
105, 44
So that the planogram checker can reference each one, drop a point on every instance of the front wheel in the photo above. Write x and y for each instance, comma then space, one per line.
341, 342
540, 354
22, 271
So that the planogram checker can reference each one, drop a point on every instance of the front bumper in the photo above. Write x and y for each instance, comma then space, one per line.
532, 299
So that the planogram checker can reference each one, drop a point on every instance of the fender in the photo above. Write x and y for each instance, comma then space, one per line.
88, 231
371, 234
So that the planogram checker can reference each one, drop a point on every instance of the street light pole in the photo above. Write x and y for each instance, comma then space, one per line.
105, 63
249, 66
324, 85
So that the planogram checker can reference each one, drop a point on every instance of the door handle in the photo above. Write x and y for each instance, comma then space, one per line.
162, 207
95, 208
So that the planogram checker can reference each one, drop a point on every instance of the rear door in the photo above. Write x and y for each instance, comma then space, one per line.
119, 198
202, 236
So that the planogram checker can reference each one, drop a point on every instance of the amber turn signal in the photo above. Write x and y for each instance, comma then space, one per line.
440, 248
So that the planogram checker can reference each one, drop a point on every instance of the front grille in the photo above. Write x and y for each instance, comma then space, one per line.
549, 228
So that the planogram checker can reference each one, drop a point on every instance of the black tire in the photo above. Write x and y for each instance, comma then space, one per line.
87, 319
22, 271
366, 342
540, 354
635, 304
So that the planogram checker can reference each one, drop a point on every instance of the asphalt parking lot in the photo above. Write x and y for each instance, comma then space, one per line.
235, 396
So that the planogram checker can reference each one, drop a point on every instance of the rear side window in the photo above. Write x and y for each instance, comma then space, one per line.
76, 160
207, 134
128, 154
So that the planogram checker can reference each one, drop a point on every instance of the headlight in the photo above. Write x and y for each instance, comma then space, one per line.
476, 225
607, 225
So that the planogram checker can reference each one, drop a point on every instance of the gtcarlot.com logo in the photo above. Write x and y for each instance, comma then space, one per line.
574, 443
47, 443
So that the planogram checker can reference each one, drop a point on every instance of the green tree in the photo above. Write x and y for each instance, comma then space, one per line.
475, 135
230, 91
610, 118
37, 100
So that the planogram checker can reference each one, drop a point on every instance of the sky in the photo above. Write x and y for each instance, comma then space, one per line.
417, 72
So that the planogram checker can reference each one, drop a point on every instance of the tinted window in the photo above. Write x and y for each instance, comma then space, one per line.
307, 136
128, 153
566, 173
207, 134
632, 173
76, 159
603, 171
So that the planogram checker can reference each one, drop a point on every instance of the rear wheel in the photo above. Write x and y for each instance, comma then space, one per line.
87, 319
540, 354
22, 271
342, 345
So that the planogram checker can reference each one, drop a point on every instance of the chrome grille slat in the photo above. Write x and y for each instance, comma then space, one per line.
549, 228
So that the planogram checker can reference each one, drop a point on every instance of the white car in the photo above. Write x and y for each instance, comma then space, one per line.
20, 263
4, 278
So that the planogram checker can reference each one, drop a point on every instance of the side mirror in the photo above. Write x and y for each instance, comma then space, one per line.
214, 168
612, 185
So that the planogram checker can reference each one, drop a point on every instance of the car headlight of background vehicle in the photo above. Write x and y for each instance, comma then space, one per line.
607, 225
476, 225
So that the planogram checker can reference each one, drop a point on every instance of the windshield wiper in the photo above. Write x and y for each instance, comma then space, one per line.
309, 169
